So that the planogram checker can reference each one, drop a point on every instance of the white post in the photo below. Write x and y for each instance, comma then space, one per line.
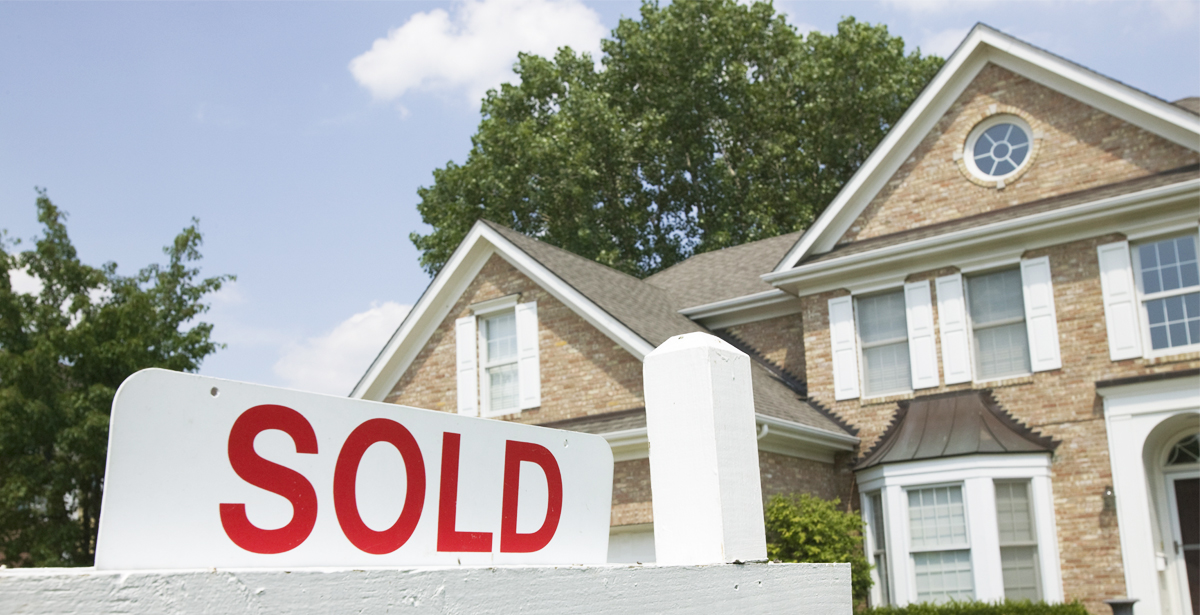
704, 473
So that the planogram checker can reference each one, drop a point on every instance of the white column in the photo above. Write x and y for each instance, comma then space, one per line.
980, 498
895, 507
1047, 537
703, 453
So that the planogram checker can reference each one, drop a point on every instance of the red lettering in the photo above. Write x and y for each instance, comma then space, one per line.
450, 539
272, 477
515, 452
345, 477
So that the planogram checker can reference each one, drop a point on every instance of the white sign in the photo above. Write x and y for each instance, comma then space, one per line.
206, 473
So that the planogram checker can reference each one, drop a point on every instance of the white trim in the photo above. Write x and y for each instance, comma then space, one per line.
983, 45
484, 308
984, 245
741, 310
1135, 417
976, 474
435, 304
782, 438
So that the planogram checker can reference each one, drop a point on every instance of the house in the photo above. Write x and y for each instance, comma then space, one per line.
988, 343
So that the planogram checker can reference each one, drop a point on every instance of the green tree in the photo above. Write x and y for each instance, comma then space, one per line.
803, 528
710, 124
63, 353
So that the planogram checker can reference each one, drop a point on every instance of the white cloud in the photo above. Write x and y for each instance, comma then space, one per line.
943, 43
474, 48
334, 362
24, 283
936, 6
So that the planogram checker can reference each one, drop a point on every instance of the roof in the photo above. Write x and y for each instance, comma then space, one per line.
723, 274
1164, 178
1191, 103
609, 422
650, 312
982, 46
953, 424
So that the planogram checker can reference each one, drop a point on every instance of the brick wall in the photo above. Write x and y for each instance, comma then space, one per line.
583, 371
779, 340
1061, 403
1081, 147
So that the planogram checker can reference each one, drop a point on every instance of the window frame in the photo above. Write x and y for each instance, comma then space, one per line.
1135, 262
968, 149
965, 546
1035, 543
977, 474
863, 346
486, 363
971, 326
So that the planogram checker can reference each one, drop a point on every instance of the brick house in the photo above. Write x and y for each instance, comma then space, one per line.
988, 343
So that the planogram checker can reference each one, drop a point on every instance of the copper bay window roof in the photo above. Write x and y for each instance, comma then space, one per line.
951, 425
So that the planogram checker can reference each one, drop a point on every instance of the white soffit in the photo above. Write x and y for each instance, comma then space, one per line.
441, 295
982, 45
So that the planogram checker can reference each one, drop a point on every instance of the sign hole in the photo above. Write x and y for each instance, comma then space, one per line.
565, 443
214, 391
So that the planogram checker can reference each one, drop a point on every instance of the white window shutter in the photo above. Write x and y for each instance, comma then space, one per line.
922, 354
952, 321
845, 348
1040, 320
468, 382
529, 377
1120, 301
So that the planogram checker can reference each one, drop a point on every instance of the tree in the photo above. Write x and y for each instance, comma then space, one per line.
63, 353
804, 528
710, 124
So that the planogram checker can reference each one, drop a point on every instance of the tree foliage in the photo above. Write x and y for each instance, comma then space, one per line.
63, 353
804, 528
710, 124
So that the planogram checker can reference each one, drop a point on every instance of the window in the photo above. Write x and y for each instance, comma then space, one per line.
498, 350
1169, 281
498, 358
1018, 541
997, 312
881, 547
999, 148
938, 542
883, 331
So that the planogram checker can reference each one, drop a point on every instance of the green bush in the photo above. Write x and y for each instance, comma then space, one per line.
803, 528
1008, 607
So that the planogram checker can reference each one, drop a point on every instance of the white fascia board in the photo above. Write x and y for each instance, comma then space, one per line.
981, 46
782, 437
741, 310
953, 469
1162, 207
462, 267
1167, 395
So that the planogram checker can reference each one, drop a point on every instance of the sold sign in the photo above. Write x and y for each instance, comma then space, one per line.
207, 473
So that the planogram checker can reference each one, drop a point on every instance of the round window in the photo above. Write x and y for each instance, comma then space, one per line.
998, 147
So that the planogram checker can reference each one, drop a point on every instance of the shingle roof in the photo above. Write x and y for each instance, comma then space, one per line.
1191, 103
608, 422
1157, 180
650, 313
723, 274
953, 424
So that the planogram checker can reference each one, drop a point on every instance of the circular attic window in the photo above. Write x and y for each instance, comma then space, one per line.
999, 148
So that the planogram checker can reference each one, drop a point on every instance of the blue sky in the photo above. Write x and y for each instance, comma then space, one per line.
299, 133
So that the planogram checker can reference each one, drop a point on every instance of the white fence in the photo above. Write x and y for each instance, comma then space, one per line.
708, 521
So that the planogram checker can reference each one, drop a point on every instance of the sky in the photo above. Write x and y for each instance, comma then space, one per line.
298, 134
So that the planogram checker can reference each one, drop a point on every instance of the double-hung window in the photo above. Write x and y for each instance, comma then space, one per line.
498, 358
1169, 281
998, 324
498, 353
883, 332
939, 544
1018, 541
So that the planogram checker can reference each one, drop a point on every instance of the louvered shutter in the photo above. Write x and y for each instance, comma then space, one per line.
468, 381
1040, 320
529, 377
845, 348
952, 321
922, 354
1120, 301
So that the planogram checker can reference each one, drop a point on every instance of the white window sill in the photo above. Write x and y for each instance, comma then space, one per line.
1171, 355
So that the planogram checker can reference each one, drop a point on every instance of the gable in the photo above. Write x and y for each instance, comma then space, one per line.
583, 371
1076, 147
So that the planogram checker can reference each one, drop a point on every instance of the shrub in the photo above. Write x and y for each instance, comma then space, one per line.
1008, 607
803, 528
